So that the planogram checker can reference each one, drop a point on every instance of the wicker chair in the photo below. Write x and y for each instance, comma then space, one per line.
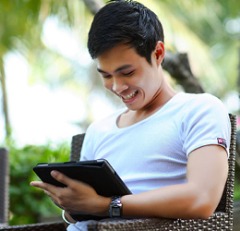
222, 219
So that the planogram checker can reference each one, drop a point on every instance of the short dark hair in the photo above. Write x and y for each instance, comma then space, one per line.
125, 22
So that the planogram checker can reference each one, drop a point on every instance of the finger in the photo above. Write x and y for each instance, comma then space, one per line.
62, 178
53, 198
38, 184
47, 193
44, 186
69, 182
48, 190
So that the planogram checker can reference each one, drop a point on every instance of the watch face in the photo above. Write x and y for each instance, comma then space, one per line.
116, 212
115, 207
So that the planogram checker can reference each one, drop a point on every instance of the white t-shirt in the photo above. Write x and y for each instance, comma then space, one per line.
154, 152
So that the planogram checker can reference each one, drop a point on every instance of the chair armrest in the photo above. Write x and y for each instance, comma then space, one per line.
54, 226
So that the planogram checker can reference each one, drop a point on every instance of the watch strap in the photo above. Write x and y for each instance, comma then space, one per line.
115, 209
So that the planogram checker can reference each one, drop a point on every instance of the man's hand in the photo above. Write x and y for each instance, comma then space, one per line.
77, 197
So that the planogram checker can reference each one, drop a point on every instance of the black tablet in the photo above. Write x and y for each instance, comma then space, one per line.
97, 173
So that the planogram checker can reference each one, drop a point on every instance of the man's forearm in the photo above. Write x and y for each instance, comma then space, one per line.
178, 201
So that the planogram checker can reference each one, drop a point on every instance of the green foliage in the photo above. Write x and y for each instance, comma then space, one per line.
237, 191
28, 204
237, 184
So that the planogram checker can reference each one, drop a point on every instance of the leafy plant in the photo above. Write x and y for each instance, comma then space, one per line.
237, 183
28, 204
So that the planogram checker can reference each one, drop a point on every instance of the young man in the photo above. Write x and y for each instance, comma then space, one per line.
170, 148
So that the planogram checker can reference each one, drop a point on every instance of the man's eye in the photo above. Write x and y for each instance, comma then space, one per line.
128, 73
106, 76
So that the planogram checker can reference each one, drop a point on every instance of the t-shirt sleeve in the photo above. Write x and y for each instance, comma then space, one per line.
206, 124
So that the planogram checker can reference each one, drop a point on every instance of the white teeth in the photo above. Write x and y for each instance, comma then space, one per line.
130, 95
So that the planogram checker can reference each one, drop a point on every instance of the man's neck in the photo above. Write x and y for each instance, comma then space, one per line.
131, 117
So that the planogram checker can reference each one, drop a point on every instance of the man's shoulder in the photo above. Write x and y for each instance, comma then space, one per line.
197, 96
199, 99
193, 105
203, 105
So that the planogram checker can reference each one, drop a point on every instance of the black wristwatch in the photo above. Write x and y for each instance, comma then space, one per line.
115, 209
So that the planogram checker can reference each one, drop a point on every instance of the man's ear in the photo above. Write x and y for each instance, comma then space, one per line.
159, 52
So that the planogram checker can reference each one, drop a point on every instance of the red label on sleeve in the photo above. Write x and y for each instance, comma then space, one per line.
222, 142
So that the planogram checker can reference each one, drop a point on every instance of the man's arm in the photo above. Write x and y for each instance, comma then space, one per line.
198, 198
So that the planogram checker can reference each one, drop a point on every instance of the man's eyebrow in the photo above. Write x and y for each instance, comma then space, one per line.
101, 71
117, 70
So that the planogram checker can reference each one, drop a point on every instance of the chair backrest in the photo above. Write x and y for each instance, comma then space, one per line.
76, 146
226, 202
4, 176
227, 198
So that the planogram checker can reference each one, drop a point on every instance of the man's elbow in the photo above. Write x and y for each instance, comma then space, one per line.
203, 208
204, 212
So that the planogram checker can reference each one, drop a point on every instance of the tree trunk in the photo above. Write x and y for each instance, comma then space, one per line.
4, 100
177, 65
94, 5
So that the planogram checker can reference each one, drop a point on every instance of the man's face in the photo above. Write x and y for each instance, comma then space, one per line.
130, 76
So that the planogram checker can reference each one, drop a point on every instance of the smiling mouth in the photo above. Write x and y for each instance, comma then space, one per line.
130, 96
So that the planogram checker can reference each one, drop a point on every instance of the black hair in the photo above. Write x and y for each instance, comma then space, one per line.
125, 22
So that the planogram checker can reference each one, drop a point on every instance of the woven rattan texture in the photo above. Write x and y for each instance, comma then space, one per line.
76, 146
57, 226
4, 178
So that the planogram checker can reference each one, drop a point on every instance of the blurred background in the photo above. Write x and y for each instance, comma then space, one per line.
50, 90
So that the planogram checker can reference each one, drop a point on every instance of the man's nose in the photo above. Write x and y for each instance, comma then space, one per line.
118, 85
